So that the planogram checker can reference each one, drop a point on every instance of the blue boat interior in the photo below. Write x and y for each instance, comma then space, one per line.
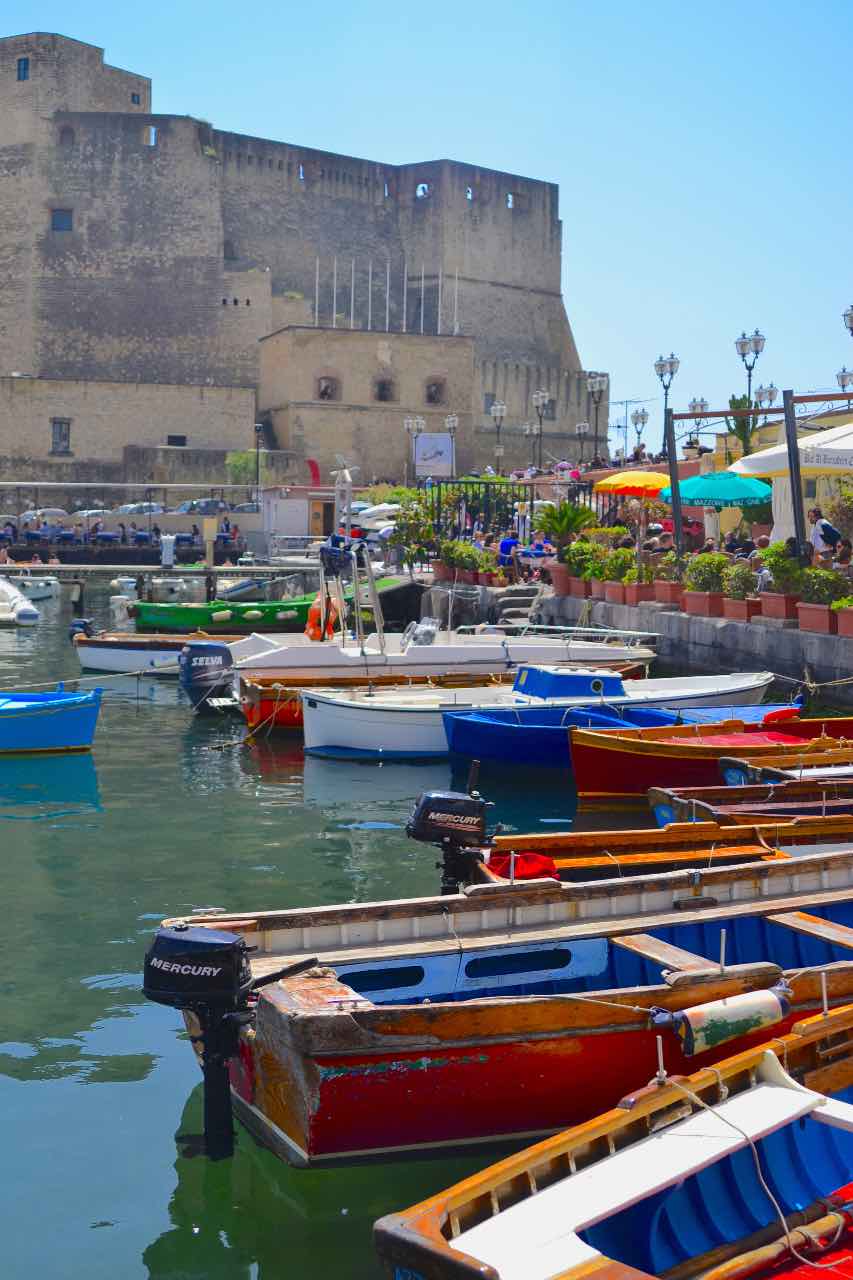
587, 964
725, 1202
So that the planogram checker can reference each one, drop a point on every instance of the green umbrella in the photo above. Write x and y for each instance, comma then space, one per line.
720, 489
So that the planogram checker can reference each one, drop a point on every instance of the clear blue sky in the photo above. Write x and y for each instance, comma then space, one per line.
702, 152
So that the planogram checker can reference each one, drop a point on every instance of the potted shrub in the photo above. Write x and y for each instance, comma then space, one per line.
442, 570
740, 603
703, 581
596, 571
639, 585
668, 588
820, 589
843, 610
487, 564
567, 571
619, 562
787, 573
561, 525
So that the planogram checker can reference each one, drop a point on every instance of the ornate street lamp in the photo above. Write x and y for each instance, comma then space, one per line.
582, 431
413, 428
749, 349
666, 367
639, 418
451, 425
845, 379
541, 400
848, 320
596, 385
533, 430
498, 412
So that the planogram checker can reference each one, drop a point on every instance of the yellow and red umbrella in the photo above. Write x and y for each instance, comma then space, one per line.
633, 484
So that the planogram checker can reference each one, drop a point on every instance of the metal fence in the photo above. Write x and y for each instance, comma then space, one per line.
456, 506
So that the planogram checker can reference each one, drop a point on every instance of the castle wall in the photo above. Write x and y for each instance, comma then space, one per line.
106, 417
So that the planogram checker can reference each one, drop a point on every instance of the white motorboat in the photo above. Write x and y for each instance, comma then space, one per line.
407, 723
15, 608
35, 586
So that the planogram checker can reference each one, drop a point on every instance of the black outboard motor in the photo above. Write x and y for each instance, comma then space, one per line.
336, 555
80, 627
207, 971
456, 822
204, 670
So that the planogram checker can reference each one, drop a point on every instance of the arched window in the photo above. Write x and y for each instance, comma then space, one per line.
328, 389
66, 136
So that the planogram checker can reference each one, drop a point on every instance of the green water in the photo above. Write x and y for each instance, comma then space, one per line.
168, 815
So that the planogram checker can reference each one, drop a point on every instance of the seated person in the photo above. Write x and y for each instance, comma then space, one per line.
506, 548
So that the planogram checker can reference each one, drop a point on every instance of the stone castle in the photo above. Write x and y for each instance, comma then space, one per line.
158, 251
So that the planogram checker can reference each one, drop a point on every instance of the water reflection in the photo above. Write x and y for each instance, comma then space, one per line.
39, 788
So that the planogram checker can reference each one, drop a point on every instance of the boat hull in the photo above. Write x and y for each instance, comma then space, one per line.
610, 766
46, 723
448, 1086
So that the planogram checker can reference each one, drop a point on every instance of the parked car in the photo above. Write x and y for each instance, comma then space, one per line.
92, 513
246, 508
202, 507
140, 509
45, 513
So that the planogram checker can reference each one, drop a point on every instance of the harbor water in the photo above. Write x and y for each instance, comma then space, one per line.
172, 814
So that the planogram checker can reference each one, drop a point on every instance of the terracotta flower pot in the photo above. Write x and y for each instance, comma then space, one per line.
669, 593
741, 610
844, 621
775, 605
818, 617
596, 588
580, 588
614, 592
561, 579
639, 592
704, 604
468, 577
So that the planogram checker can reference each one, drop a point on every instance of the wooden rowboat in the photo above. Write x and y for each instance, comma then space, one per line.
508, 1010
672, 1182
615, 764
594, 855
757, 802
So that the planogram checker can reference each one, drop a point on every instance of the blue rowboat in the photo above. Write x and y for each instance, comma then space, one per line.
54, 721
540, 735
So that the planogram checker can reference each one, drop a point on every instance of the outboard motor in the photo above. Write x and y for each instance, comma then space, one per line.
336, 555
425, 631
456, 822
205, 670
207, 972
80, 627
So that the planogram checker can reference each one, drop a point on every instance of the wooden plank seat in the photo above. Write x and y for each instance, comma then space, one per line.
837, 935
662, 953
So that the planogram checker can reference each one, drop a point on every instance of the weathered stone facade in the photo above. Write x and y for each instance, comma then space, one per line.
156, 249
426, 376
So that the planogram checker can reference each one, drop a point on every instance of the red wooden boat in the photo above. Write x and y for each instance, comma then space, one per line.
503, 1010
617, 764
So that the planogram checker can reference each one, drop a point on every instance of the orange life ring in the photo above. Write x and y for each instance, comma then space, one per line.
315, 627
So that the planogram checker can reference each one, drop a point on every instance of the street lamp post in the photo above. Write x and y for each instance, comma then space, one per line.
540, 404
749, 349
451, 423
413, 428
666, 367
639, 418
582, 431
845, 379
848, 320
259, 431
533, 430
498, 412
596, 385
766, 395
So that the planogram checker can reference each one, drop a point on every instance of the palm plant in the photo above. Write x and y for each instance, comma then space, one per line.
563, 522
742, 428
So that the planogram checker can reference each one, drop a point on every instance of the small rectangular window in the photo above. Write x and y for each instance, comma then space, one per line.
179, 442
135, 99
488, 400
550, 414
61, 220
149, 136
60, 435
23, 68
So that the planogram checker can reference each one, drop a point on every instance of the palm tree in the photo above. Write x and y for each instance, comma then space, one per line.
561, 523
741, 428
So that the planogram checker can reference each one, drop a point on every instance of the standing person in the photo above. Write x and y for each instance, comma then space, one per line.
825, 537
122, 530
196, 535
